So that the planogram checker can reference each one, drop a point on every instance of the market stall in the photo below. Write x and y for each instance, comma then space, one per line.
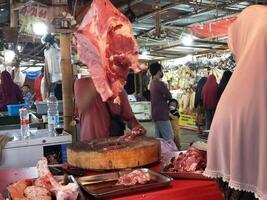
184, 189
19, 152
183, 74
82, 57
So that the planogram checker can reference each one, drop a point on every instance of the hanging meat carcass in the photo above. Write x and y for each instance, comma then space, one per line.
107, 46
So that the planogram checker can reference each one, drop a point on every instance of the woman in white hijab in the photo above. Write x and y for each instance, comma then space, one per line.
237, 144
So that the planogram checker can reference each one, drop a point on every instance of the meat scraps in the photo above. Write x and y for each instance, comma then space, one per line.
35, 192
46, 180
193, 160
134, 177
107, 46
122, 140
135, 132
16, 190
43, 188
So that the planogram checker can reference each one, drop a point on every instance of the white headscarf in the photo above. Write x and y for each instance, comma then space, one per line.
237, 144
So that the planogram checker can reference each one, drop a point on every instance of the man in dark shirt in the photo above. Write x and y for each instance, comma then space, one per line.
160, 94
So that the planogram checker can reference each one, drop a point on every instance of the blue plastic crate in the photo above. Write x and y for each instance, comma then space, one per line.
13, 110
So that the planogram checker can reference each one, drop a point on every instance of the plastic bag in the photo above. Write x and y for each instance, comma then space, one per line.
168, 149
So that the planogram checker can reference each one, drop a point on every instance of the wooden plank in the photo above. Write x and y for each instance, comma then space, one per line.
67, 81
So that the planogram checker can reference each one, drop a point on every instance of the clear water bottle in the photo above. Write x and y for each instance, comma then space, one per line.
24, 122
52, 113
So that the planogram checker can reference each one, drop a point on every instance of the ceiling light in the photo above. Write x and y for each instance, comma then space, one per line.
2, 9
19, 48
145, 52
187, 40
9, 56
40, 28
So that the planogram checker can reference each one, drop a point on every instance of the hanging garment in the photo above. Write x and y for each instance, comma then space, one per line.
222, 85
9, 91
37, 88
209, 93
200, 84
18, 77
237, 143
52, 58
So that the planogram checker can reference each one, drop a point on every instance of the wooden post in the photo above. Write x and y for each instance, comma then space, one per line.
141, 83
135, 84
67, 81
13, 14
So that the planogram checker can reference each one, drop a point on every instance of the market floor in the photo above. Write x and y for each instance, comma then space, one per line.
188, 136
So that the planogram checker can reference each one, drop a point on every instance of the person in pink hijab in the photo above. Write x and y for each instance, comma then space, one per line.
237, 143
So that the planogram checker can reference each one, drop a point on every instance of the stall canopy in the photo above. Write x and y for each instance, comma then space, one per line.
213, 29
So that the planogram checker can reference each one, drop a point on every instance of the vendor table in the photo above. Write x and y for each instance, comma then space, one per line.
179, 189
21, 152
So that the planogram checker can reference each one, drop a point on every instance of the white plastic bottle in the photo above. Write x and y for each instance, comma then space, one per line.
52, 113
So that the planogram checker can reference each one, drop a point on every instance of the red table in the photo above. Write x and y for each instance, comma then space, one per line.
179, 189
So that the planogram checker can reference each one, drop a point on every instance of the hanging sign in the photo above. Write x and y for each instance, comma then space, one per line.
188, 121
30, 14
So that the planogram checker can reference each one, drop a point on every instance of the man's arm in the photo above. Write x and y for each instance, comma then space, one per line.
128, 115
165, 91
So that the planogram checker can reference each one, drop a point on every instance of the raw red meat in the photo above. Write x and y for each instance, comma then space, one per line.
135, 132
16, 190
134, 177
107, 46
193, 160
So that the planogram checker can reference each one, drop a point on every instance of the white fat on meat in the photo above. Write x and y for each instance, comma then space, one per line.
46, 179
35, 192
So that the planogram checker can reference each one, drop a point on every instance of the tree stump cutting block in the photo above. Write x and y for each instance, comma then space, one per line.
108, 153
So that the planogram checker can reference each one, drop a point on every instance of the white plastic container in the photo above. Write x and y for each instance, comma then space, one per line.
42, 107
142, 110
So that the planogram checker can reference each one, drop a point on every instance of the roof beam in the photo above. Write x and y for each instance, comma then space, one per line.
151, 14
132, 3
211, 42
166, 54
189, 46
202, 11
185, 16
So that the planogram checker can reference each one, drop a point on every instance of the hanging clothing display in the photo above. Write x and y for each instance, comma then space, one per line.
223, 83
200, 85
10, 93
37, 88
237, 143
52, 58
18, 77
209, 93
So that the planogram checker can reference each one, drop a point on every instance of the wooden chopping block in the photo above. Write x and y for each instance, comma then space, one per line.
107, 153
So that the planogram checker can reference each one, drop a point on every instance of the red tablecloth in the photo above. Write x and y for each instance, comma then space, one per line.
179, 189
